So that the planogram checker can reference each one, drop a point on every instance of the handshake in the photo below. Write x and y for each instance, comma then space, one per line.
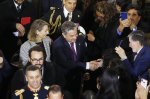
95, 64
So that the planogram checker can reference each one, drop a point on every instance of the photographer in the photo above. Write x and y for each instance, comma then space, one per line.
141, 92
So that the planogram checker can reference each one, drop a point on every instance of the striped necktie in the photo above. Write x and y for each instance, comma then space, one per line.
73, 51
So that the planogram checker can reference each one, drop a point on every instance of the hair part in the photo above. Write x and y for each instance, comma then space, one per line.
138, 36
37, 25
67, 26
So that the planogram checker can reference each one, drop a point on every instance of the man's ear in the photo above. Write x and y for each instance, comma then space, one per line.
29, 59
64, 2
63, 35
1, 60
26, 78
37, 32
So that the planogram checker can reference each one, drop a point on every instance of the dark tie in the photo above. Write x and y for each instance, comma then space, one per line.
19, 8
69, 17
135, 55
73, 51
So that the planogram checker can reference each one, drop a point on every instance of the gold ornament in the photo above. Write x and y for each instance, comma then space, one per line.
35, 96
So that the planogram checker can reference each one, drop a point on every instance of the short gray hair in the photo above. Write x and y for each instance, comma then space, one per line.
138, 36
67, 26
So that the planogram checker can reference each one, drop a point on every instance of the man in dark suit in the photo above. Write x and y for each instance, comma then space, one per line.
15, 20
69, 53
56, 16
138, 67
37, 58
141, 62
133, 22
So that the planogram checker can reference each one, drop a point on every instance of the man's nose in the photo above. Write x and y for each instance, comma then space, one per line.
38, 62
72, 6
130, 17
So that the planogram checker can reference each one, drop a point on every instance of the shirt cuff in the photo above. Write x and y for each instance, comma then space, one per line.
124, 58
87, 65
119, 33
134, 29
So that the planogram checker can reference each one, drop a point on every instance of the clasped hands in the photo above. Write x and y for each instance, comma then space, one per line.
95, 64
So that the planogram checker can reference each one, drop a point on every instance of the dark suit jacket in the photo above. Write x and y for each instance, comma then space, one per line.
123, 38
139, 68
57, 17
62, 54
49, 77
72, 70
8, 19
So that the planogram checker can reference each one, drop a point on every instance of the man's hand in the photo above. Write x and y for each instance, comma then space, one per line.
141, 92
123, 24
20, 29
120, 51
90, 36
94, 65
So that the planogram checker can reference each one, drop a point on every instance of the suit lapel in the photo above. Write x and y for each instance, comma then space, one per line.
78, 48
66, 43
63, 16
139, 55
13, 7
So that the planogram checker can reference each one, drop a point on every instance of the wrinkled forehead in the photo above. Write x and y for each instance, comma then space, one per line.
33, 73
36, 54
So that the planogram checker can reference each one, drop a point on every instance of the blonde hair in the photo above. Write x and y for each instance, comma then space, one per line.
36, 25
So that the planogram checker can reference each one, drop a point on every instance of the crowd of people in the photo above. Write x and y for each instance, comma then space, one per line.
74, 49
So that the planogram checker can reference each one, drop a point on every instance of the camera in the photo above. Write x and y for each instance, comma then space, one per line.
123, 15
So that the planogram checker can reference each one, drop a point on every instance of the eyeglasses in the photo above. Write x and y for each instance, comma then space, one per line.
37, 60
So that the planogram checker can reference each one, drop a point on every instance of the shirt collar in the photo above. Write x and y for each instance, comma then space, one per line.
139, 50
17, 5
66, 12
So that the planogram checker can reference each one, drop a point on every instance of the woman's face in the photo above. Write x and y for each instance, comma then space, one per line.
100, 16
118, 8
44, 32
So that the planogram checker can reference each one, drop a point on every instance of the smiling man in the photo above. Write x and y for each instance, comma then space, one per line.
36, 58
139, 66
69, 52
56, 16
133, 22
34, 88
